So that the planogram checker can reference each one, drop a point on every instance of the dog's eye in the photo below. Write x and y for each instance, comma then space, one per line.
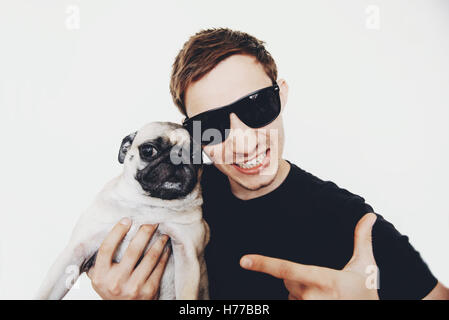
147, 151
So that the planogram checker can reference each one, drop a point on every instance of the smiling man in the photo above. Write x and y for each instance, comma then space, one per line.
269, 219
256, 202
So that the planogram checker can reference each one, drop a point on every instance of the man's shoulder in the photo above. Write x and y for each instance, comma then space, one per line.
324, 194
318, 187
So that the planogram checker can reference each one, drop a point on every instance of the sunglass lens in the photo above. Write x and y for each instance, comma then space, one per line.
211, 128
260, 108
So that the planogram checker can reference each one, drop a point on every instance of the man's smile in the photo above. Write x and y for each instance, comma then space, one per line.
255, 165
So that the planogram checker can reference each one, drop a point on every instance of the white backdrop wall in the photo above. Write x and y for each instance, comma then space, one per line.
368, 107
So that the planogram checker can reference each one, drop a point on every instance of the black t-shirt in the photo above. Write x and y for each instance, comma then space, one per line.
305, 220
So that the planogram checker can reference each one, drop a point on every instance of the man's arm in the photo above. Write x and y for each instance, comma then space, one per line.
440, 292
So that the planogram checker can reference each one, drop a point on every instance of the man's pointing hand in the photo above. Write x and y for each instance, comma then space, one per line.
357, 280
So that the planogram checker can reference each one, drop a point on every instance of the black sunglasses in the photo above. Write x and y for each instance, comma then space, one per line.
256, 110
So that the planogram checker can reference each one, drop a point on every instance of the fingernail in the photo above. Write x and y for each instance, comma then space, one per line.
246, 263
125, 221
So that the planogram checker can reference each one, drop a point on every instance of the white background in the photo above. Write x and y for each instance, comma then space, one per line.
368, 107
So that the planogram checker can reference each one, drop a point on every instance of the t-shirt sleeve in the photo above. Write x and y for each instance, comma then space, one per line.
403, 274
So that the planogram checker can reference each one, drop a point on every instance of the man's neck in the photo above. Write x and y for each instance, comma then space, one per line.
245, 194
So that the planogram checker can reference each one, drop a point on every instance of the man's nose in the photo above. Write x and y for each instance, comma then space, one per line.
242, 138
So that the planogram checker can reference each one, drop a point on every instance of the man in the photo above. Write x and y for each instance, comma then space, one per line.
269, 219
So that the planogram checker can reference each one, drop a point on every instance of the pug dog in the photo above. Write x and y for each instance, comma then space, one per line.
159, 185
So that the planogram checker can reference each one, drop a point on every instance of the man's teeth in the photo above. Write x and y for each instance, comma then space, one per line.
253, 163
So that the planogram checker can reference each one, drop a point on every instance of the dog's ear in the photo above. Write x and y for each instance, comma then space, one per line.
126, 143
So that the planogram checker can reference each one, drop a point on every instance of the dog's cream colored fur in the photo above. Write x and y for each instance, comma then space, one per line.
185, 276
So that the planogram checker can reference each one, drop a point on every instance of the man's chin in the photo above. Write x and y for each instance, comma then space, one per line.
254, 182
255, 186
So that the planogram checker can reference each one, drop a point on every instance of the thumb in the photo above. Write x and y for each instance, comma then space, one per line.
363, 248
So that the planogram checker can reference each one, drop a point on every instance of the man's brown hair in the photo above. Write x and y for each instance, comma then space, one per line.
207, 48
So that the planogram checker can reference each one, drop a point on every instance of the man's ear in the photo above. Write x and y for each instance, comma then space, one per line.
126, 143
283, 92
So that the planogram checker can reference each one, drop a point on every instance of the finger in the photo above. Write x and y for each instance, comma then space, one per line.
292, 297
136, 247
363, 248
146, 265
156, 297
154, 281
111, 242
90, 272
284, 269
295, 288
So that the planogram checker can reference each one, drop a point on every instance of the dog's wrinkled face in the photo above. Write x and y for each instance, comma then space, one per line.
159, 157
